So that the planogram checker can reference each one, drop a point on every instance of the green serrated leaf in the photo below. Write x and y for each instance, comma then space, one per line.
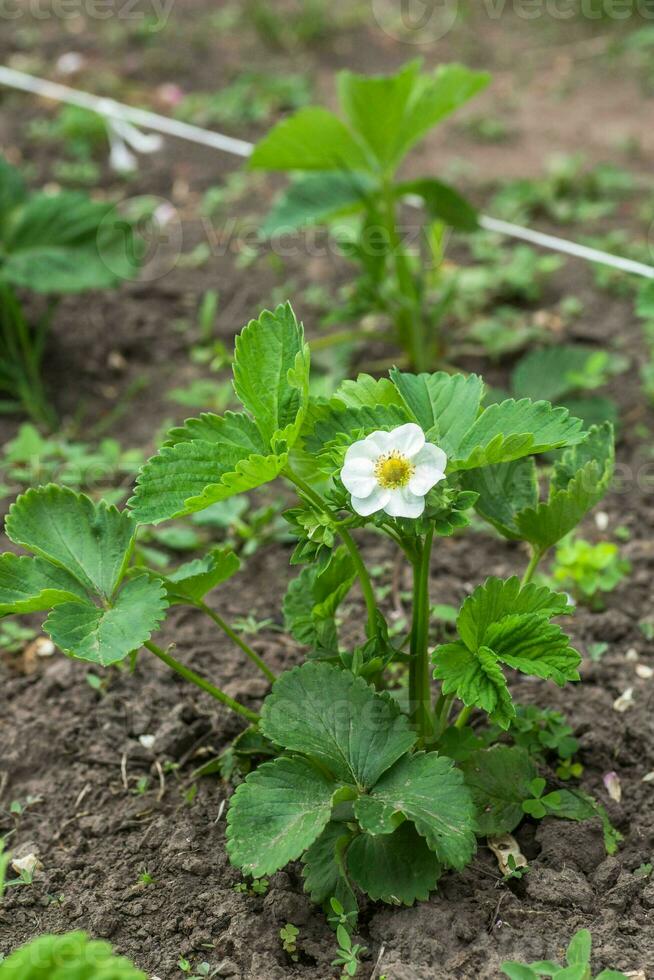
376, 106
435, 97
276, 814
271, 374
311, 139
322, 872
476, 679
336, 718
234, 431
444, 405
498, 598
67, 243
317, 198
511, 429
427, 790
210, 459
367, 392
547, 373
397, 868
32, 584
193, 580
499, 779
105, 636
533, 646
91, 541
505, 621
579, 480
312, 599
331, 423
504, 491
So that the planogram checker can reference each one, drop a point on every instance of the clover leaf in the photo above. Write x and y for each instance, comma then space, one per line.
349, 786
503, 622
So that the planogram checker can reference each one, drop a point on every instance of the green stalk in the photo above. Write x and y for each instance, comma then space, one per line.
235, 638
462, 717
419, 670
442, 713
409, 318
534, 561
349, 542
190, 675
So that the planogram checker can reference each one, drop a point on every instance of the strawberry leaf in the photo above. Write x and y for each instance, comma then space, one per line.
92, 542
427, 790
103, 635
279, 811
397, 868
336, 718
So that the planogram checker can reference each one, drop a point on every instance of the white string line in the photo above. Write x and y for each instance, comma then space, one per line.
111, 109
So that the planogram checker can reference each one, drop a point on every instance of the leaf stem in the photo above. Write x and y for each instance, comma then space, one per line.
462, 717
534, 561
190, 675
442, 712
350, 544
419, 676
245, 647
409, 317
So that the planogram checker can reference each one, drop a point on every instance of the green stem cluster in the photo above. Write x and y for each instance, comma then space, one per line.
409, 317
430, 721
347, 539
419, 670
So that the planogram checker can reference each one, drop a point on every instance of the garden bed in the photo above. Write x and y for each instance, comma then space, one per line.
106, 809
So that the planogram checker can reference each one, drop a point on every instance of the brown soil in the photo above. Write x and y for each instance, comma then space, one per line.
79, 753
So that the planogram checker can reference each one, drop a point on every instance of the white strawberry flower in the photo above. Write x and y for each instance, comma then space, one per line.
392, 471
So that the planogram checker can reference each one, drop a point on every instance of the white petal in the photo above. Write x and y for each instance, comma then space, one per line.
360, 486
365, 506
379, 442
403, 503
358, 450
407, 439
358, 476
429, 470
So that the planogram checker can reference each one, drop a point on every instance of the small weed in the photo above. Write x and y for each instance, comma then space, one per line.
288, 935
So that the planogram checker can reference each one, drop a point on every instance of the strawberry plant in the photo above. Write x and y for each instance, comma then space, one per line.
346, 168
50, 244
375, 778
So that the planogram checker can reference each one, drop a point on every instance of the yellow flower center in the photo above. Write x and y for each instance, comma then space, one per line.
393, 470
